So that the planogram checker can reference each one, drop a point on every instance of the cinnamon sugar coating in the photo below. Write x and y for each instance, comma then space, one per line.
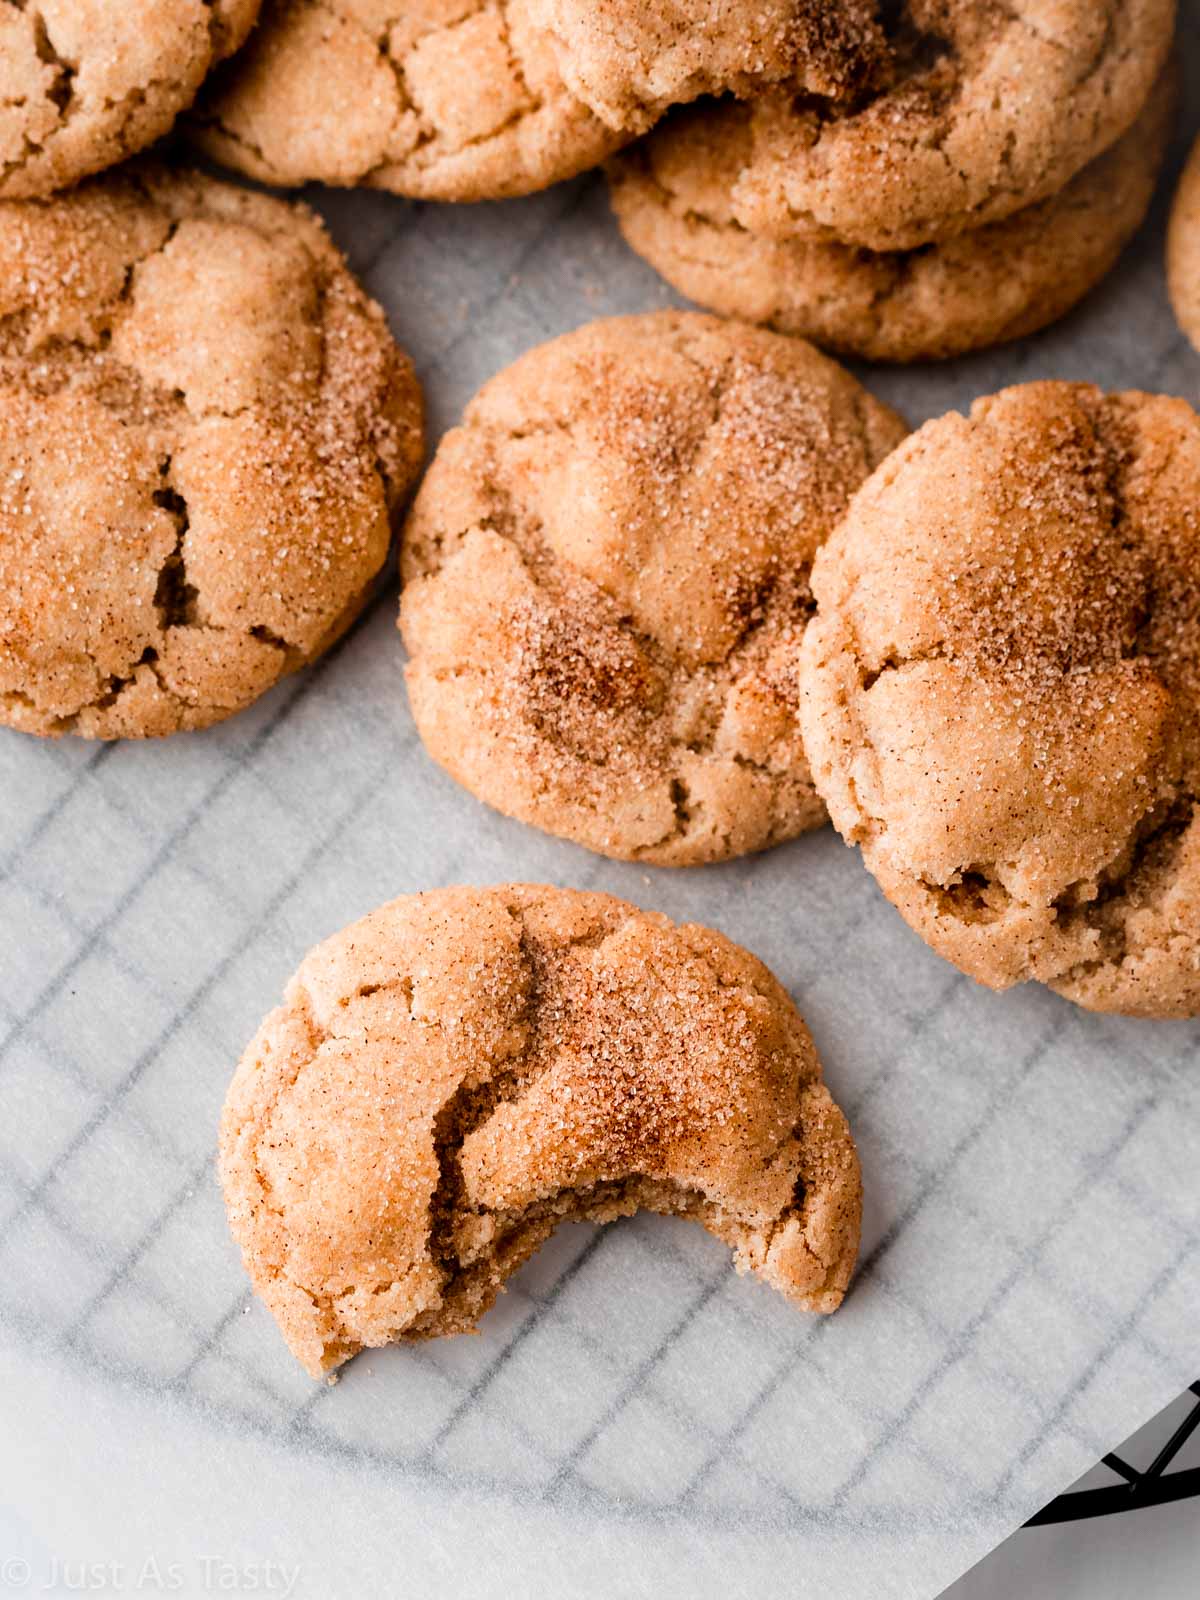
672, 194
1183, 249
205, 428
606, 571
453, 1075
1002, 691
632, 59
83, 86
984, 107
437, 99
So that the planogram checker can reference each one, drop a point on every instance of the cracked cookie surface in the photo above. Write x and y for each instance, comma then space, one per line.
453, 1075
205, 428
1183, 249
984, 107
632, 59
1001, 691
606, 573
436, 99
83, 86
672, 196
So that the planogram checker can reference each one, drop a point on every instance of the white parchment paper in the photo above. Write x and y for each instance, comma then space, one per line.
633, 1418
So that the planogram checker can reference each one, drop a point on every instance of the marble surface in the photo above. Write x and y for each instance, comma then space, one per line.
633, 1418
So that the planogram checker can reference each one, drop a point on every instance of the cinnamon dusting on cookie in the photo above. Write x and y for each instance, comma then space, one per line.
450, 1077
606, 578
1002, 691
207, 427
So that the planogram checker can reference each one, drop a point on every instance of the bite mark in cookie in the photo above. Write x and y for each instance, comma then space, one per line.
455, 1074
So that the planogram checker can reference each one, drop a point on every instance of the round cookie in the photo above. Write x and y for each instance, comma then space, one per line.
452, 1076
671, 195
1002, 691
1183, 249
436, 99
630, 59
83, 86
982, 110
606, 573
204, 430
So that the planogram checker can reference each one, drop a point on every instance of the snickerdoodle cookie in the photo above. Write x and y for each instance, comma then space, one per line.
1002, 691
83, 86
631, 59
1183, 249
437, 99
983, 108
671, 193
452, 1076
204, 429
606, 573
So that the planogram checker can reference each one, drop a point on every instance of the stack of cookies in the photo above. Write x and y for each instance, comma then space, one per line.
983, 172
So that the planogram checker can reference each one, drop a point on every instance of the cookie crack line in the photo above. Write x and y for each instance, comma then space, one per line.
533, 565
874, 837
539, 564
539, 560
179, 603
61, 93
467, 1108
530, 106
174, 597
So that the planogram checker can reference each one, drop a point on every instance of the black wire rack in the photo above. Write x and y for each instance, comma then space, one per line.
1155, 1486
